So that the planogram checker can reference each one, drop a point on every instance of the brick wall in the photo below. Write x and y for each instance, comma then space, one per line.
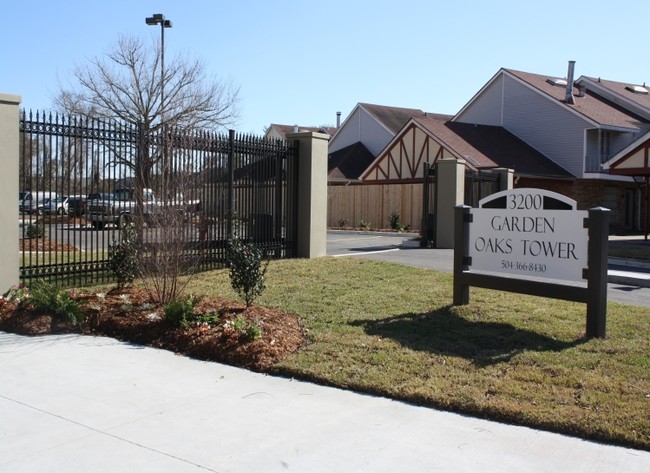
594, 193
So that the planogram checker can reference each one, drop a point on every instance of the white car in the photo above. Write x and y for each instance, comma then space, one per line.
58, 206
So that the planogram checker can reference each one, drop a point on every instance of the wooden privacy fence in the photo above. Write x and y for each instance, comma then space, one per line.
374, 203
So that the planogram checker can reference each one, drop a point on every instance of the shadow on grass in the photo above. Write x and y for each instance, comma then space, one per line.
445, 333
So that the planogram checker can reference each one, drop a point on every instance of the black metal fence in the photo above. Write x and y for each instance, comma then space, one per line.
82, 179
480, 184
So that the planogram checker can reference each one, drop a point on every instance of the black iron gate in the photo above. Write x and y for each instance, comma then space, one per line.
478, 184
81, 179
429, 206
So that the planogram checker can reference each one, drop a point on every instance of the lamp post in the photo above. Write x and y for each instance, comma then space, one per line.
159, 19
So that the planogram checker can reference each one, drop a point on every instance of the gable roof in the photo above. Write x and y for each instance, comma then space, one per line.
349, 162
634, 160
484, 146
620, 92
595, 108
588, 104
392, 118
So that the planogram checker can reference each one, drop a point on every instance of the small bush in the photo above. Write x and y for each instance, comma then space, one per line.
247, 271
35, 230
207, 318
62, 303
246, 328
396, 223
180, 312
18, 294
365, 225
124, 256
343, 222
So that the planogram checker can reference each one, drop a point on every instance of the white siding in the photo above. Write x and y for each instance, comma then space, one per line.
361, 126
486, 108
374, 136
348, 134
272, 134
545, 125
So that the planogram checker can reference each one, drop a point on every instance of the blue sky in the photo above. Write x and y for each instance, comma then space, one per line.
300, 62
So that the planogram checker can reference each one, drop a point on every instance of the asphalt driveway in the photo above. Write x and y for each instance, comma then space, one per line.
403, 248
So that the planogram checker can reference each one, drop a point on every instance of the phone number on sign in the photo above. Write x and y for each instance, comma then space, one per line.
517, 266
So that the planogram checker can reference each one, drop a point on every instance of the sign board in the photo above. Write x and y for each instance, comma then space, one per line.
529, 232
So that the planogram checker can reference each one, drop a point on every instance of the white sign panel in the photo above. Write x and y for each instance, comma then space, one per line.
523, 232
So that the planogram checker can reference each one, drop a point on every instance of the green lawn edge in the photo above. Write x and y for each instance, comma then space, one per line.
391, 330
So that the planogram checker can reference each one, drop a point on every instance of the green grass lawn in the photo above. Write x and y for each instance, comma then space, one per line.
391, 330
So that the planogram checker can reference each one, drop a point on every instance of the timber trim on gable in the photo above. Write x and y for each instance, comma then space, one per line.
403, 158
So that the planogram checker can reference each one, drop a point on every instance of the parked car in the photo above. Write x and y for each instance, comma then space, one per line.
122, 205
58, 206
100, 196
30, 201
116, 208
76, 205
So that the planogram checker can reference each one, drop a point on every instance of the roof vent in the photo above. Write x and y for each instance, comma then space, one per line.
557, 82
637, 89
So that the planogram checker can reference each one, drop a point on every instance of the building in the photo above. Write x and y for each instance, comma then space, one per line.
556, 133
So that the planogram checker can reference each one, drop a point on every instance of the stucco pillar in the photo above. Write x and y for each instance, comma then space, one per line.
450, 192
9, 152
312, 193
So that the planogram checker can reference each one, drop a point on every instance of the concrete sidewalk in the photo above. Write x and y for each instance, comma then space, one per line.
83, 404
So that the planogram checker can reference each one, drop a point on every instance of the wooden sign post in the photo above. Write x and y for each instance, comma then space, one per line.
533, 241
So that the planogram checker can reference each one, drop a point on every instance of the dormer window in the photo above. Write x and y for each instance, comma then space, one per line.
557, 82
637, 89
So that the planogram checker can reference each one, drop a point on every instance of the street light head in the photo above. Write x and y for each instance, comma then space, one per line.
158, 19
167, 24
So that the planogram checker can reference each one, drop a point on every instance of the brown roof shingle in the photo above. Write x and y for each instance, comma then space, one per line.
591, 106
349, 162
486, 146
620, 88
393, 118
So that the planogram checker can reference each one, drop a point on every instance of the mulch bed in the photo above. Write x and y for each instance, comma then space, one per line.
44, 245
129, 315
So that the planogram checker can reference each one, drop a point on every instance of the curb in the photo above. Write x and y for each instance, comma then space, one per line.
628, 278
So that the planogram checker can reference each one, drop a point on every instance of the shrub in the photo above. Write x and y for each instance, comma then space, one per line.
62, 303
180, 312
35, 230
343, 222
396, 223
246, 328
246, 270
365, 225
18, 294
124, 256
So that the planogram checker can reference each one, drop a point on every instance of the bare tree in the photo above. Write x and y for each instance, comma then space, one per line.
126, 86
